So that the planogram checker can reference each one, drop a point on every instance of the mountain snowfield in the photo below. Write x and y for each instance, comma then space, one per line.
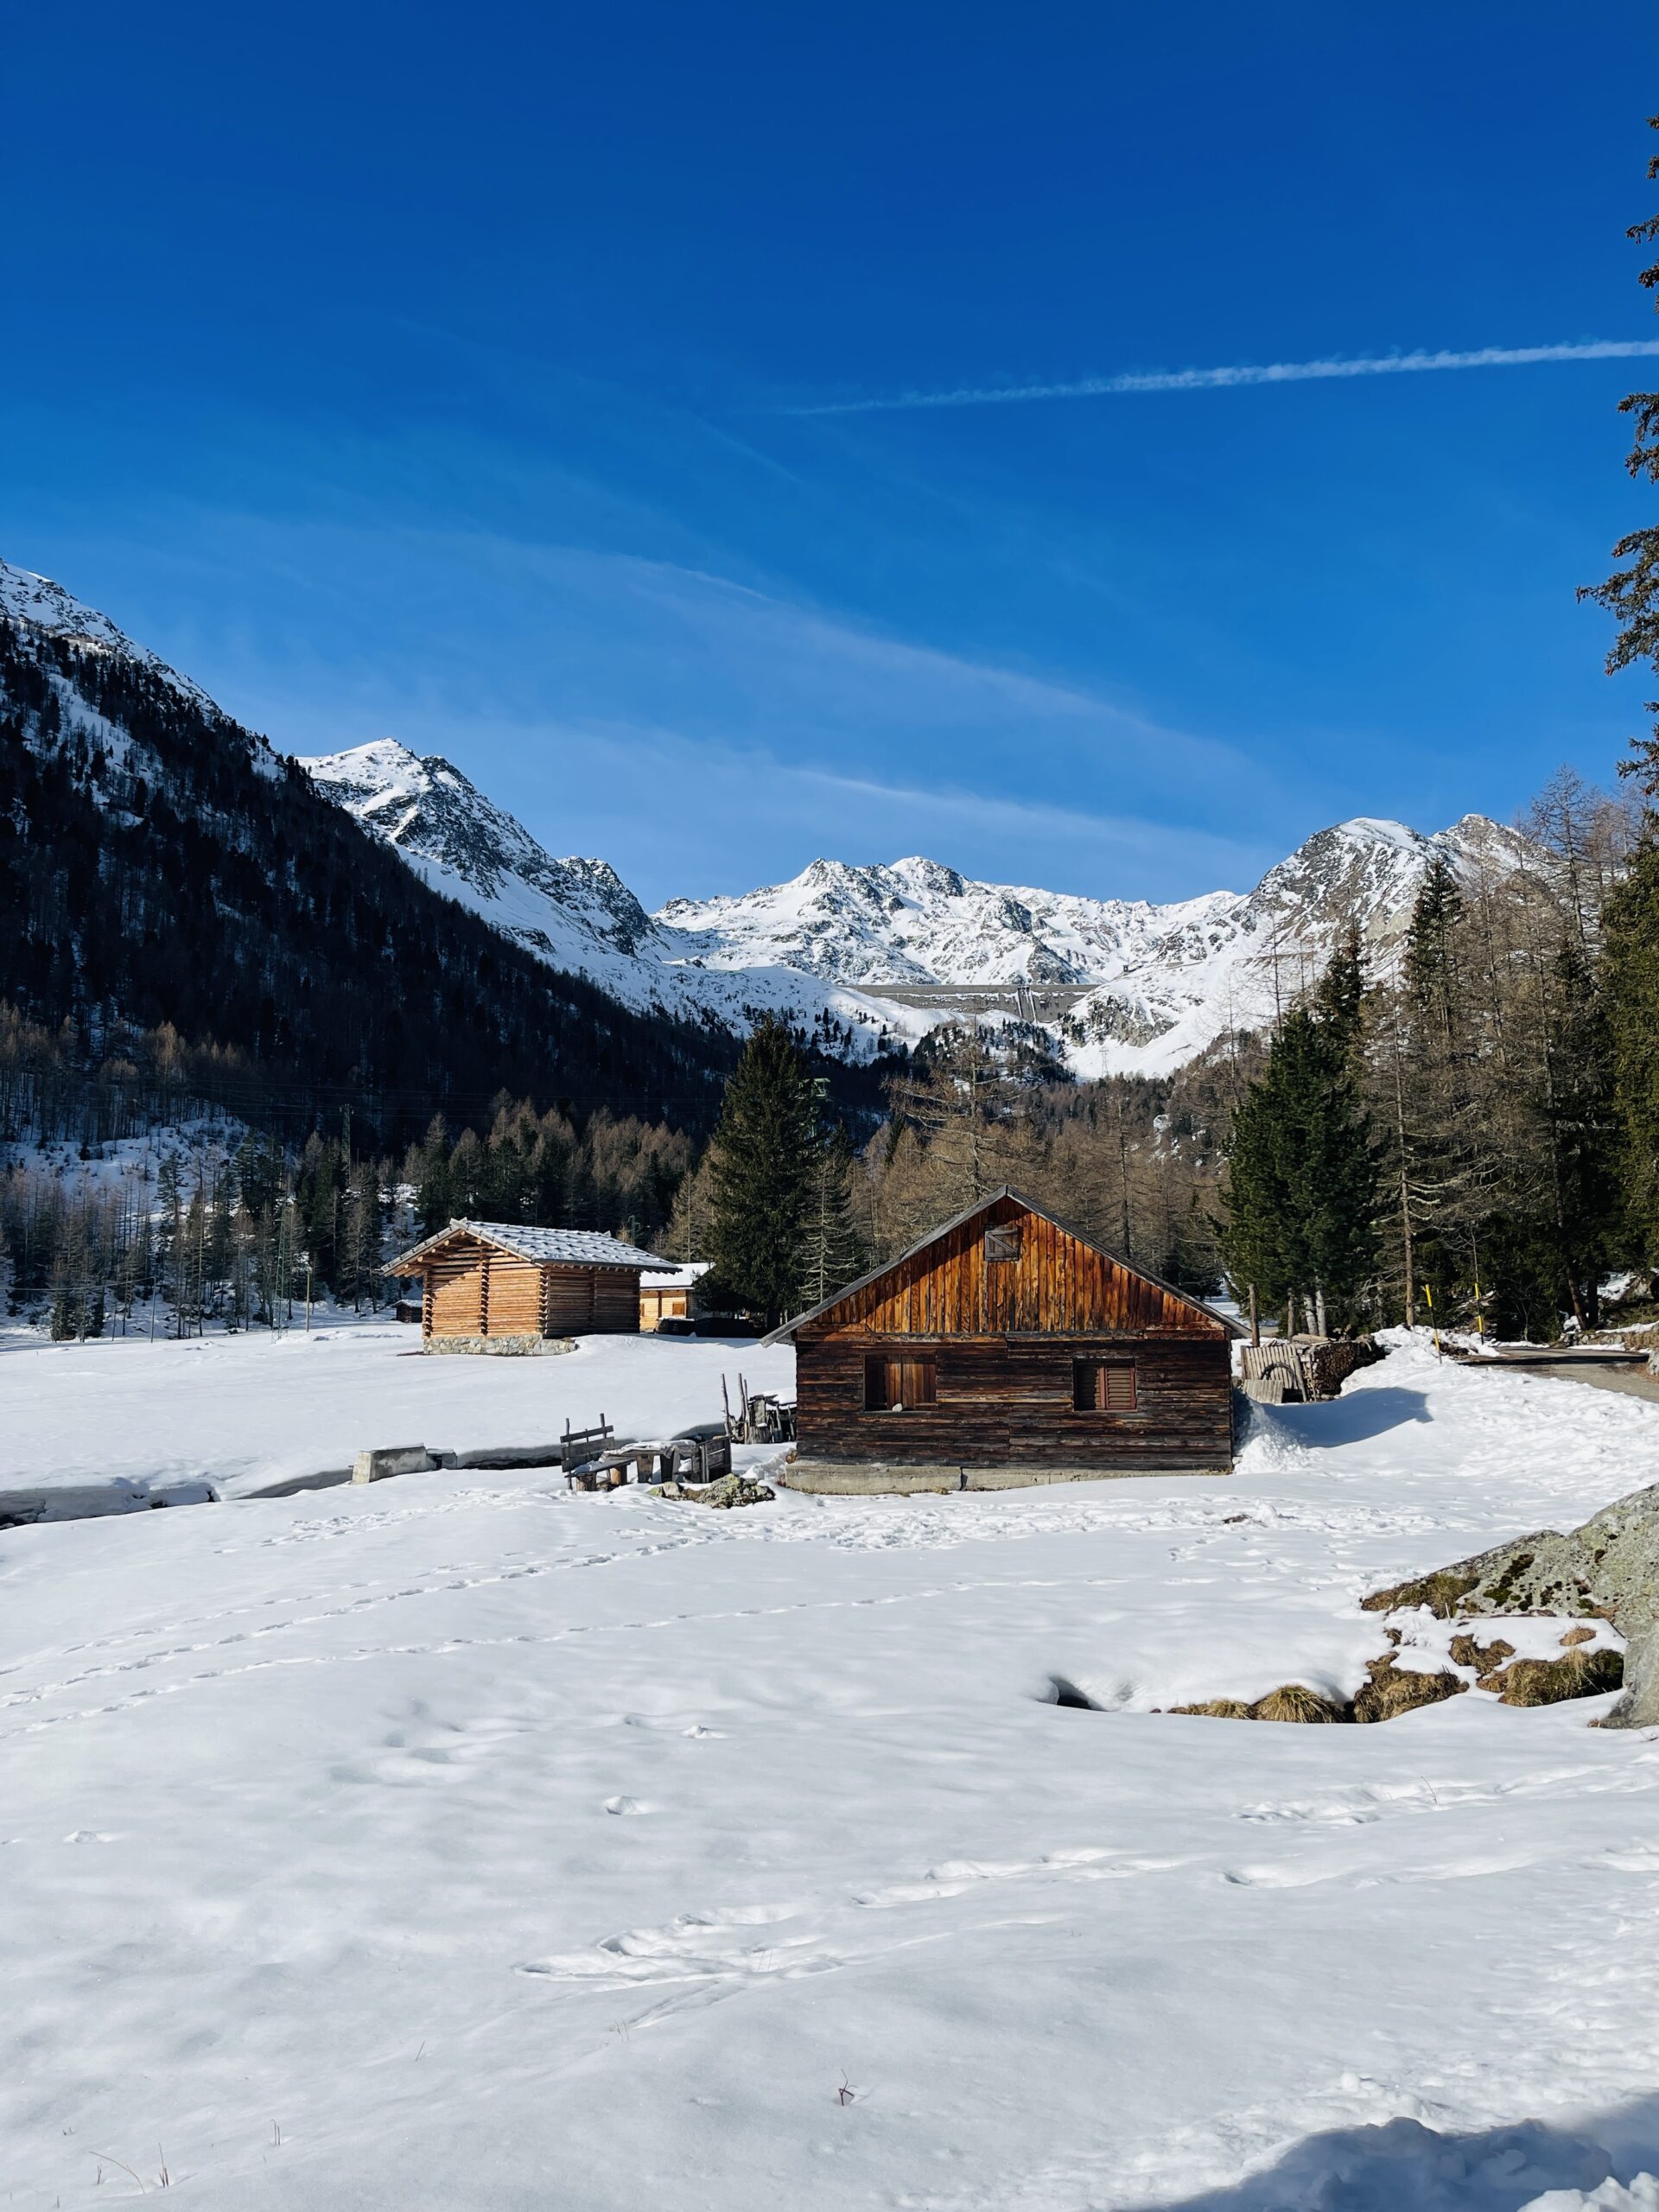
1120, 984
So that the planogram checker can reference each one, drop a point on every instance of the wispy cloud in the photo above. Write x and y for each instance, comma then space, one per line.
1248, 373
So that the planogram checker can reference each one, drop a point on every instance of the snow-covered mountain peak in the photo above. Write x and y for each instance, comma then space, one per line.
424, 805
25, 597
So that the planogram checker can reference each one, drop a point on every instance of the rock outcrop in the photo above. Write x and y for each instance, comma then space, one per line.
1609, 1568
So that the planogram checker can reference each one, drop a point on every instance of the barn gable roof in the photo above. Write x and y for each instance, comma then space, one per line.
946, 1229
577, 1248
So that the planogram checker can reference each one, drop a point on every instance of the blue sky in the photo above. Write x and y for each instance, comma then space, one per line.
455, 375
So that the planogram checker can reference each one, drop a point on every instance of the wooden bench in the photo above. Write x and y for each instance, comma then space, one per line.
580, 1448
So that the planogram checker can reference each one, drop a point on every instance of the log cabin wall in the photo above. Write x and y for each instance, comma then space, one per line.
515, 1300
659, 1305
568, 1309
1012, 1402
453, 1301
616, 1301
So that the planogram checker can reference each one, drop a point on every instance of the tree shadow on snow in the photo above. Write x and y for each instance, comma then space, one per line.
1351, 1420
1403, 2165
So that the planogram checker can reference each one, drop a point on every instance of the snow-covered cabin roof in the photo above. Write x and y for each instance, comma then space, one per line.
681, 1278
569, 1247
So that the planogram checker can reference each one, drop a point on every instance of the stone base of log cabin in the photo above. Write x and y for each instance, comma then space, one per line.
858, 1479
506, 1347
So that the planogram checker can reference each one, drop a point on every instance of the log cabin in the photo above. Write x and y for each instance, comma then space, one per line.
497, 1287
1006, 1349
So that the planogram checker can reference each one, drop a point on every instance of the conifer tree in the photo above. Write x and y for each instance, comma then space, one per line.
833, 1253
1631, 595
764, 1155
1302, 1169
1631, 973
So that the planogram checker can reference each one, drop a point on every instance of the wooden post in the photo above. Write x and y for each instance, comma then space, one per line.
1255, 1321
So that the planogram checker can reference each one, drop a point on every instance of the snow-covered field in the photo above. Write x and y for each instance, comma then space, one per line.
459, 1842
242, 1412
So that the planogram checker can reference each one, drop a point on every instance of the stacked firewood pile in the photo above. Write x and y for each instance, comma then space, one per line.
1297, 1370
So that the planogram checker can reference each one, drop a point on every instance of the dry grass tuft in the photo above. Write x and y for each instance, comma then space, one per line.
1295, 1701
1552, 1681
1440, 1592
1393, 1690
1482, 1657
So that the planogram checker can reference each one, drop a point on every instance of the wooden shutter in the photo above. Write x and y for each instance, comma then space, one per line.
891, 1385
1103, 1386
1002, 1243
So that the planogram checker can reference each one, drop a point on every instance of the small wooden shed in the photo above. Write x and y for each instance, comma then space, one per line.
495, 1285
1002, 1348
670, 1294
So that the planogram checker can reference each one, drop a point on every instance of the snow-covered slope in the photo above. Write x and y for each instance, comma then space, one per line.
577, 914
25, 597
1120, 983
469, 847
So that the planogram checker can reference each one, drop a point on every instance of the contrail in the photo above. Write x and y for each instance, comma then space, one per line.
1364, 364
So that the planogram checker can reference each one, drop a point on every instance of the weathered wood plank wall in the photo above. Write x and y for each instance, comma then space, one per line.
1010, 1403
951, 1289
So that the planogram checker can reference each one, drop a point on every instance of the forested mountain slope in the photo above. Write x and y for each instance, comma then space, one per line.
159, 863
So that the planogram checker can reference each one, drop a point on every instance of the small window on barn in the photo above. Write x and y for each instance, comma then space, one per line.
1103, 1386
1002, 1244
894, 1386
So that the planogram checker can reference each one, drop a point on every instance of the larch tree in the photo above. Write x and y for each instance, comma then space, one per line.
833, 1252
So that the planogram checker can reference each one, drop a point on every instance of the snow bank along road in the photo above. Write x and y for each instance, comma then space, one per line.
462, 1843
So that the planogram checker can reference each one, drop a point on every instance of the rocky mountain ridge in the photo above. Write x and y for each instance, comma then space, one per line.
858, 954
1120, 984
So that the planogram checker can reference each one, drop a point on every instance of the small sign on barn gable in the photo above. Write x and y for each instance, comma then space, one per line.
1005, 1348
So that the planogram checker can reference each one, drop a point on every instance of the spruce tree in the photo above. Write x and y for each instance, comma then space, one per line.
1630, 976
1302, 1170
764, 1163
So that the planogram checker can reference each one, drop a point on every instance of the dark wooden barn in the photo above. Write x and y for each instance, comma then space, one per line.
1005, 1349
494, 1285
